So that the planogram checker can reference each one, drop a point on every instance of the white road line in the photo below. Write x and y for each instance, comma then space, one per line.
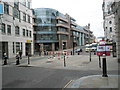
67, 84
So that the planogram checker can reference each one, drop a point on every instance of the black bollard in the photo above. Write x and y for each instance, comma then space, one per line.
64, 62
104, 68
99, 62
90, 55
28, 59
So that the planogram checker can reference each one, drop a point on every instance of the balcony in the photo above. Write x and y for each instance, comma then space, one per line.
62, 32
61, 18
73, 23
62, 25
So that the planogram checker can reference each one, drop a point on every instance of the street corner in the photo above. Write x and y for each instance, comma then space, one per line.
95, 81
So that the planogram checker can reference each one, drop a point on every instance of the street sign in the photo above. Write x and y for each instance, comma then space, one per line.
1, 9
103, 49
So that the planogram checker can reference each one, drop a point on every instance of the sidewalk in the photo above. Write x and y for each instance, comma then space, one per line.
97, 81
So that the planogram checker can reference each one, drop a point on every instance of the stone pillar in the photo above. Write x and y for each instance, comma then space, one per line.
80, 40
53, 46
60, 43
83, 39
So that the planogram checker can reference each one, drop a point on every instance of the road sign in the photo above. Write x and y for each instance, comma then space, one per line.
103, 49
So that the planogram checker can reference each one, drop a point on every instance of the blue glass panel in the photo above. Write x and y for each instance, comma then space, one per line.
1, 9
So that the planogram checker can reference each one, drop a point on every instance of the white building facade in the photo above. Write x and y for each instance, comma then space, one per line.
109, 21
16, 28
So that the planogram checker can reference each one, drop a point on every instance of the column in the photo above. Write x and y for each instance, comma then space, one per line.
83, 40
53, 46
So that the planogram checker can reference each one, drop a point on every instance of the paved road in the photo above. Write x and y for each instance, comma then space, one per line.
37, 77
41, 74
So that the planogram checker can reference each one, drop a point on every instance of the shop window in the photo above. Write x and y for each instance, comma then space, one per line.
17, 47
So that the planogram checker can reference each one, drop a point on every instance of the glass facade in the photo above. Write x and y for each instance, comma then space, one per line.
46, 24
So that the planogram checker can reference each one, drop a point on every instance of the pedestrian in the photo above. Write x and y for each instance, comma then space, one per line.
20, 53
17, 58
5, 59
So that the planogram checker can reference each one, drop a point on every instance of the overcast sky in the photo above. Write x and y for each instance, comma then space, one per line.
84, 11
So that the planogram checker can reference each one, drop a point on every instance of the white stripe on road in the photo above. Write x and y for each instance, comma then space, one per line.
67, 84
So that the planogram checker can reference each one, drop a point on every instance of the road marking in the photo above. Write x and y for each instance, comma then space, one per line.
67, 84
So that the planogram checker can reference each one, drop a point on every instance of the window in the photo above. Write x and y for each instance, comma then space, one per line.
110, 29
21, 46
6, 8
17, 47
3, 28
8, 29
13, 47
17, 30
28, 4
16, 4
24, 17
23, 32
110, 22
30, 33
27, 33
16, 13
28, 19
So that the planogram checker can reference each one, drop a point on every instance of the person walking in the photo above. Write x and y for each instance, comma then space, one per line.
20, 53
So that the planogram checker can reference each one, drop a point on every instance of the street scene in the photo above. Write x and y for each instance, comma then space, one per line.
59, 45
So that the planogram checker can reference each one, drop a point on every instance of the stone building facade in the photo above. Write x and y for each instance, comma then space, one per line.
16, 28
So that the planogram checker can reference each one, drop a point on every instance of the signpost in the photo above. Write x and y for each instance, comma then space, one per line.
103, 50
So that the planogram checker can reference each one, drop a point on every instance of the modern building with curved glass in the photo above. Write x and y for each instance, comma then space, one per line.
55, 31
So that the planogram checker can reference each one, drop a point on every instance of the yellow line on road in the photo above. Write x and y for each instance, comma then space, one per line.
67, 84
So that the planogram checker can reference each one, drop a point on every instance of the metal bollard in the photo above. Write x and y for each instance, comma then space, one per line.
64, 62
99, 62
29, 58
104, 67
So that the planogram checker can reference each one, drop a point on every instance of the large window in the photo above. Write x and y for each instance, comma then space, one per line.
27, 33
8, 29
17, 47
24, 17
23, 32
30, 33
48, 37
28, 19
16, 13
3, 28
17, 31
6, 8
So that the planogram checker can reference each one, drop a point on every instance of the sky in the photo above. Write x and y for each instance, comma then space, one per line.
83, 11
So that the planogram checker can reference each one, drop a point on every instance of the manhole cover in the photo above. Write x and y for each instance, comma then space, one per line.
85, 62
49, 61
